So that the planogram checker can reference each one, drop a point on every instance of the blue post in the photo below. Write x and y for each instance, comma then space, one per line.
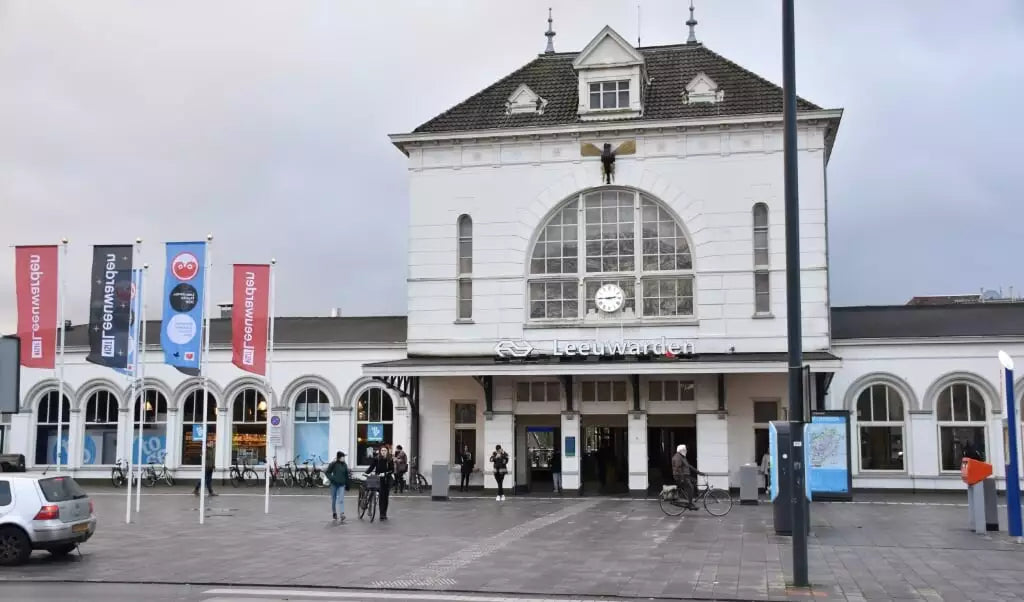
1013, 517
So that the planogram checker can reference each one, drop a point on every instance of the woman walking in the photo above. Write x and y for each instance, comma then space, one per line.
499, 459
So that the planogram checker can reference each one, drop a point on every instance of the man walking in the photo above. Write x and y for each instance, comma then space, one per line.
337, 474
556, 471
401, 467
209, 471
682, 472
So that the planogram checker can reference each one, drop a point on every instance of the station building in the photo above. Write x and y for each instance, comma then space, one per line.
562, 298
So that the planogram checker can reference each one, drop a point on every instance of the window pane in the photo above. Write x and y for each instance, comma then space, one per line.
623, 99
959, 393
588, 391
952, 440
464, 438
604, 391
760, 215
522, 391
300, 410
554, 392
465, 413
465, 227
762, 293
881, 448
608, 100
537, 391
619, 391
595, 100
688, 391
977, 404
654, 391
668, 296
765, 411
878, 405
895, 406
944, 404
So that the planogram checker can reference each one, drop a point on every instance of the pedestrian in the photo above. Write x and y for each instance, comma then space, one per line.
337, 474
556, 471
401, 468
682, 472
209, 471
384, 467
499, 459
466, 463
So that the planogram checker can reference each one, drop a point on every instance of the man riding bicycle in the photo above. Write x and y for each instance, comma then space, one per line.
682, 473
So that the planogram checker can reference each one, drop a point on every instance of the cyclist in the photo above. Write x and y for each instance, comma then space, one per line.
384, 466
683, 473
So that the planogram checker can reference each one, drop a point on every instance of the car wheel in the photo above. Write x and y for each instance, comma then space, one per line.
15, 548
64, 550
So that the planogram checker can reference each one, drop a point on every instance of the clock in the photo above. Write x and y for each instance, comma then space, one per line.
609, 298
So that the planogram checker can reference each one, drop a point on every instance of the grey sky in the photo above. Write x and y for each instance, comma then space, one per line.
266, 124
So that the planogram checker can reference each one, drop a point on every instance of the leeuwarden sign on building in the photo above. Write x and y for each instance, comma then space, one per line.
662, 346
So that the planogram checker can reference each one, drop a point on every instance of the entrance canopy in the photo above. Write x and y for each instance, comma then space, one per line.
729, 363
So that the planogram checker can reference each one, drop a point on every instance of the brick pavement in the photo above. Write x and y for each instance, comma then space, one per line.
581, 546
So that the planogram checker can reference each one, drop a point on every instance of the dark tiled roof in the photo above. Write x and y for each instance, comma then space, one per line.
288, 331
928, 321
670, 69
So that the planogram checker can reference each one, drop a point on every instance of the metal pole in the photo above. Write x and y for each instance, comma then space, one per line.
140, 359
204, 364
793, 313
1013, 512
60, 369
270, 387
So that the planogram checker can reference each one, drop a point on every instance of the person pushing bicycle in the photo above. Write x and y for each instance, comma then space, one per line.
683, 474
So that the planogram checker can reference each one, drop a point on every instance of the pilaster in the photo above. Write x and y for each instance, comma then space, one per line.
713, 446
637, 453
499, 429
571, 443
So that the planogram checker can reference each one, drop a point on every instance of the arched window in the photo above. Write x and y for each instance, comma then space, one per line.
249, 427
192, 417
47, 417
100, 428
154, 427
960, 410
312, 423
762, 278
465, 268
375, 417
880, 421
629, 240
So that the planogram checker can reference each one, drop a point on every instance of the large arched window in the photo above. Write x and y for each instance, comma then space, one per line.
375, 418
154, 427
465, 268
48, 416
192, 417
100, 428
312, 424
628, 239
249, 427
762, 279
960, 410
880, 422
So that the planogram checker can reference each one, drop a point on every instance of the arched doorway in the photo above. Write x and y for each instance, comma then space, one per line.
249, 427
312, 424
192, 417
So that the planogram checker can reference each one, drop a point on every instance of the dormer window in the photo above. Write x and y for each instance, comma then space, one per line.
702, 89
524, 100
609, 95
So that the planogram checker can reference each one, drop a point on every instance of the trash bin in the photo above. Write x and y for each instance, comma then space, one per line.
749, 478
439, 487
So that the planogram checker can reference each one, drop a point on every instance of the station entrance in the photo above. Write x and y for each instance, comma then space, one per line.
664, 434
604, 463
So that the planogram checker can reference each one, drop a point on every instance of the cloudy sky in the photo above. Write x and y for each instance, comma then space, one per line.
266, 124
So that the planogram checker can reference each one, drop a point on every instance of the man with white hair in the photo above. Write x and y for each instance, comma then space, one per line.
682, 472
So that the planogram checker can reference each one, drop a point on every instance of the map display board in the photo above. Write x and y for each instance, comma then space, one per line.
827, 455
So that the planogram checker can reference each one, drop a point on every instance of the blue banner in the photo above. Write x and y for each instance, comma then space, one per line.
184, 284
133, 326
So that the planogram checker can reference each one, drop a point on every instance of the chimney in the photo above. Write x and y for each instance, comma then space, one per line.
225, 309
335, 312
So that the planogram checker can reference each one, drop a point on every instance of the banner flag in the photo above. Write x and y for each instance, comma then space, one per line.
184, 285
36, 283
134, 326
110, 305
249, 317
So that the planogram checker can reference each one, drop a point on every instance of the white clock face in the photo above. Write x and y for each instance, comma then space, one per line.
609, 298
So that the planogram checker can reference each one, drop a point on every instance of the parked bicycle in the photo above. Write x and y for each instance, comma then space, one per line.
717, 502
310, 474
282, 475
417, 482
119, 474
369, 490
151, 476
243, 475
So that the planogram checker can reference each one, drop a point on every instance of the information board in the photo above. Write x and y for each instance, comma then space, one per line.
827, 455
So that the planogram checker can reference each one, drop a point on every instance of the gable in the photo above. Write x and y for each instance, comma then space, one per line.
607, 49
703, 89
525, 100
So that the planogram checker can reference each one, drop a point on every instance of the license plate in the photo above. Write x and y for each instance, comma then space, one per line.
80, 528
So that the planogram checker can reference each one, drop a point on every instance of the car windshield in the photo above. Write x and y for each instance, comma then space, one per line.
61, 489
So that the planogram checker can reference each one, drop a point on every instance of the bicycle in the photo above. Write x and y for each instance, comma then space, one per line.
369, 490
282, 475
244, 475
417, 482
314, 477
118, 474
151, 476
717, 502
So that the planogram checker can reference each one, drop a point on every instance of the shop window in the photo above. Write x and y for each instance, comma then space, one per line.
671, 390
100, 429
312, 424
880, 415
960, 410
375, 421
154, 427
249, 427
603, 390
48, 416
465, 268
538, 391
191, 417
463, 428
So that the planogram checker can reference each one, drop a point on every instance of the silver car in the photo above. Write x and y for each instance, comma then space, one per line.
40, 512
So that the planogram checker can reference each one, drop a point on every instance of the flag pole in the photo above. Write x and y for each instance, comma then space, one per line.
204, 363
140, 351
270, 388
62, 267
133, 388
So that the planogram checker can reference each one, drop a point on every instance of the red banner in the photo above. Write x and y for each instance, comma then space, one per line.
35, 271
250, 317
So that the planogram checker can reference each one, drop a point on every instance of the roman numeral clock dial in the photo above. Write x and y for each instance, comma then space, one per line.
609, 298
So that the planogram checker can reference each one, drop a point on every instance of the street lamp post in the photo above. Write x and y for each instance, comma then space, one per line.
793, 313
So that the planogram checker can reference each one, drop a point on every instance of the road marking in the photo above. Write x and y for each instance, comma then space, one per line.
229, 594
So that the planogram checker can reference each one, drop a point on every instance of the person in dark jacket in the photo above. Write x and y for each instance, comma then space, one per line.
337, 474
972, 452
401, 467
556, 471
383, 465
499, 459
209, 471
467, 465
683, 473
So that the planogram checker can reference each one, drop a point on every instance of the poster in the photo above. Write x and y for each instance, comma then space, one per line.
827, 455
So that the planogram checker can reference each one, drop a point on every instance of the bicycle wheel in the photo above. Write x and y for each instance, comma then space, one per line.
671, 504
235, 477
117, 477
421, 483
717, 502
302, 477
168, 479
372, 505
149, 479
289, 479
250, 477
362, 503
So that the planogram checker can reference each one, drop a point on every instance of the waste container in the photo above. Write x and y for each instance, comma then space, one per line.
749, 478
439, 472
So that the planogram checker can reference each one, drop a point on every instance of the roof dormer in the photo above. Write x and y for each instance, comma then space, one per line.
523, 101
702, 89
609, 72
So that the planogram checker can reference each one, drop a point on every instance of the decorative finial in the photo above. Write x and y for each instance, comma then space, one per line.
692, 23
550, 35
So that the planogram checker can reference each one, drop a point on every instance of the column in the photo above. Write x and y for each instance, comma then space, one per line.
994, 452
76, 437
124, 432
172, 438
571, 451
498, 430
713, 447
20, 436
340, 436
637, 453
222, 450
924, 443
400, 429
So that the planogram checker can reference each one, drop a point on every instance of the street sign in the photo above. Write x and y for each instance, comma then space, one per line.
276, 438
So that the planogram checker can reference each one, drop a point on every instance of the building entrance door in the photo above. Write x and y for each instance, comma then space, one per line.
661, 445
605, 460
